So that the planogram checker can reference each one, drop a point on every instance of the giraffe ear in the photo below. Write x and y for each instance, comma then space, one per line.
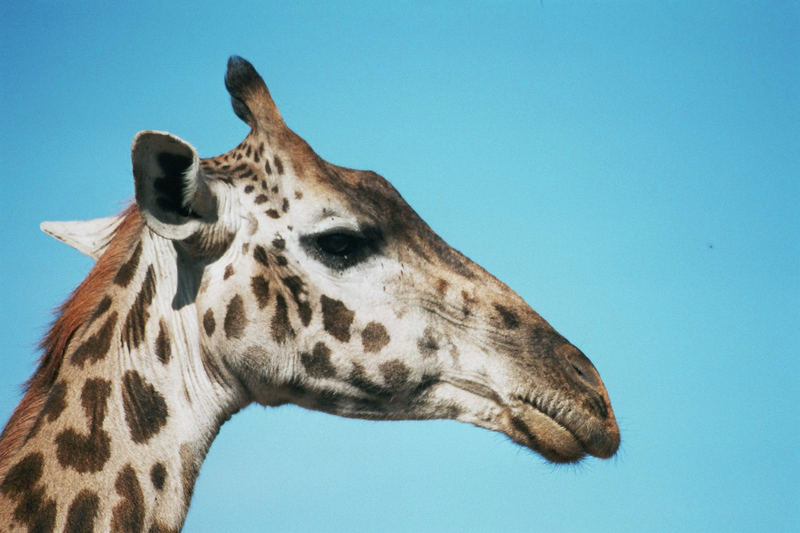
172, 195
90, 237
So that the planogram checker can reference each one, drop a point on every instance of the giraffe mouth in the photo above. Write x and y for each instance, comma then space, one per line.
543, 422
562, 434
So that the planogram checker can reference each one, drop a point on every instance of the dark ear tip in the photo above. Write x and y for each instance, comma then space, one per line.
238, 62
240, 75
241, 78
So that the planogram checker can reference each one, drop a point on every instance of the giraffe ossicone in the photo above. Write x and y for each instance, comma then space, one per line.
268, 275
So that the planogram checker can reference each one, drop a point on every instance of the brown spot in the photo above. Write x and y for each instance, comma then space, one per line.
318, 362
163, 347
260, 199
300, 297
298, 195
272, 213
281, 328
82, 512
56, 402
395, 373
96, 347
279, 243
128, 269
429, 343
285, 205
209, 324
88, 453
134, 329
235, 318
158, 476
101, 308
245, 248
249, 151
336, 318
441, 287
278, 164
33, 508
228, 272
281, 261
274, 189
374, 337
260, 288
128, 515
267, 167
469, 301
249, 189
510, 320
145, 408
37, 511
23, 476
260, 255
54, 405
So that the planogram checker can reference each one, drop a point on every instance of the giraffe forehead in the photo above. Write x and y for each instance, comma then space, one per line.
290, 174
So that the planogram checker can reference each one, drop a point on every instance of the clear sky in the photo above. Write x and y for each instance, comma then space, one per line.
632, 169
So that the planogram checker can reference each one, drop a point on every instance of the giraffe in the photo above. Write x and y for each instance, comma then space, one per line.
268, 275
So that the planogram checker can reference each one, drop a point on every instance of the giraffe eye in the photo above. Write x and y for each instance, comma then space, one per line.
339, 244
342, 248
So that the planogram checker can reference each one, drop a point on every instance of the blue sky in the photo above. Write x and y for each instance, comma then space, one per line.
632, 169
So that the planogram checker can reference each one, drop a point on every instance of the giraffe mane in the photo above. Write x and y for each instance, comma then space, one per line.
70, 316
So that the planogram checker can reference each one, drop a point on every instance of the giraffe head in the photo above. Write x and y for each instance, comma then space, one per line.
318, 285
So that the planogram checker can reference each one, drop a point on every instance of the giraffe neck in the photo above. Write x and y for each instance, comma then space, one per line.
132, 411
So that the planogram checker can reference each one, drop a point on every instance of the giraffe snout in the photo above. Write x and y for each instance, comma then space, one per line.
603, 440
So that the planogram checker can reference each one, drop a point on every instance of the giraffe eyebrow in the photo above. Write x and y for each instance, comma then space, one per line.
331, 218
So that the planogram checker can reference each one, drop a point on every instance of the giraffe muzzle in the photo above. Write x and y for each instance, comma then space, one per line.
567, 414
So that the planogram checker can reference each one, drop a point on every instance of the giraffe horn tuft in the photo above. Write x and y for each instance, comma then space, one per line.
250, 97
90, 237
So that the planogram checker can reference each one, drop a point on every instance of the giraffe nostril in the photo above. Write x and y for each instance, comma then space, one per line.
581, 365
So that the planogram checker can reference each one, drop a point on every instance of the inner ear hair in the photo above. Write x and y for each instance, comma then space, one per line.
173, 188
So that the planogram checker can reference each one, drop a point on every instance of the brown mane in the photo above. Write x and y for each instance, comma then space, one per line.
71, 315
